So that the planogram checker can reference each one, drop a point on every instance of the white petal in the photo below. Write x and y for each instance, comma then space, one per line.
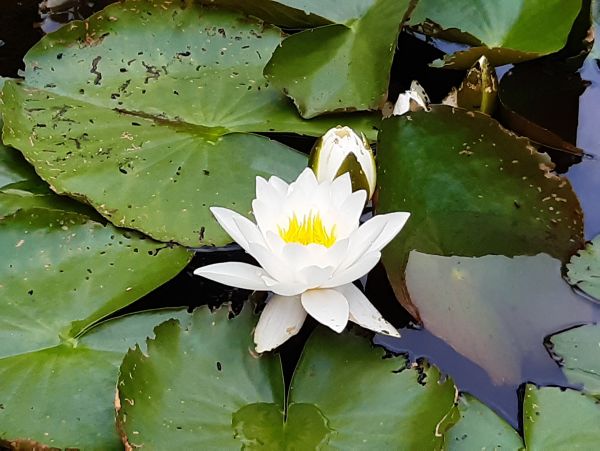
225, 218
266, 193
314, 276
271, 263
287, 288
361, 267
374, 235
350, 212
363, 313
306, 179
235, 274
281, 319
329, 307
249, 230
279, 185
394, 223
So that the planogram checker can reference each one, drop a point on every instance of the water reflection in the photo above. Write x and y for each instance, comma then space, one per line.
585, 177
486, 319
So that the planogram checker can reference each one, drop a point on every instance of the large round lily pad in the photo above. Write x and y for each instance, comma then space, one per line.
61, 273
212, 391
62, 396
505, 31
340, 67
472, 189
150, 126
583, 270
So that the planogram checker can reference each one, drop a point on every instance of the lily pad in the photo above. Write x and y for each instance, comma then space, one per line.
212, 391
579, 353
480, 428
340, 67
583, 271
150, 127
62, 273
489, 308
62, 396
299, 14
556, 419
504, 31
472, 188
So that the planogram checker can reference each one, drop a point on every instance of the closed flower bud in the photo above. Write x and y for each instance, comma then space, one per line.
341, 150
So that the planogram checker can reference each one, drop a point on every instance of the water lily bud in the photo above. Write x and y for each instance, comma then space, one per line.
414, 99
479, 89
341, 150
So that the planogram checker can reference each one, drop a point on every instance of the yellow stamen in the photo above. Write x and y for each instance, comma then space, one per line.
310, 230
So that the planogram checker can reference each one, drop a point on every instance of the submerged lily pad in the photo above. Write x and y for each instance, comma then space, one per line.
504, 31
583, 271
340, 67
472, 188
557, 419
480, 428
579, 353
150, 126
495, 310
213, 391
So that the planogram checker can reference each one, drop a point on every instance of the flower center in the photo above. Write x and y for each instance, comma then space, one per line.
308, 230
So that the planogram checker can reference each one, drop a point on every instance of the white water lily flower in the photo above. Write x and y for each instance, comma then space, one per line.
342, 150
310, 248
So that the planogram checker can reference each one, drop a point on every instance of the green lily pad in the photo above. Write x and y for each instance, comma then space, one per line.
13, 167
472, 189
583, 271
488, 308
151, 127
579, 353
62, 273
212, 391
504, 31
62, 396
557, 419
340, 67
372, 402
480, 428
299, 14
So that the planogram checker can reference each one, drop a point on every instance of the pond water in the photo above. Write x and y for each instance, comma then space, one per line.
22, 26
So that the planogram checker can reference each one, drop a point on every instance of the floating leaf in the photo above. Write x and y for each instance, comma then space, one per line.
583, 271
557, 419
479, 428
212, 391
495, 310
62, 396
472, 188
503, 31
579, 353
61, 273
149, 126
339, 67
299, 14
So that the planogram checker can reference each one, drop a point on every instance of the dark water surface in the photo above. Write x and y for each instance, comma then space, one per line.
21, 25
